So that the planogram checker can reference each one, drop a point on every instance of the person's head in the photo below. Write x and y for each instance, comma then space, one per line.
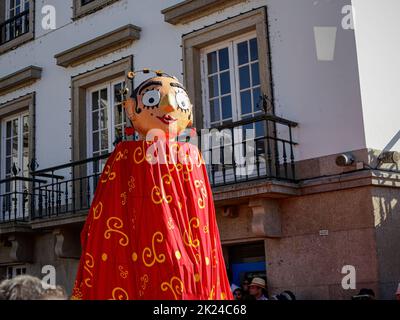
54, 293
365, 294
238, 294
159, 103
245, 285
257, 287
22, 287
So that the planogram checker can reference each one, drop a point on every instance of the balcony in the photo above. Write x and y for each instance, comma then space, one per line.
14, 27
17, 30
258, 148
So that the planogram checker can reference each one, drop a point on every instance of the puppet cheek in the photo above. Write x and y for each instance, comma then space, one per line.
129, 106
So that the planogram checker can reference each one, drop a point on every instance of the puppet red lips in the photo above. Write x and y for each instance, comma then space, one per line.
167, 119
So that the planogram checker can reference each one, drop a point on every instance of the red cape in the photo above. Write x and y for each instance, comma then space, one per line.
151, 231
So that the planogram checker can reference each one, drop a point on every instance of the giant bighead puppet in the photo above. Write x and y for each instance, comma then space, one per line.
151, 232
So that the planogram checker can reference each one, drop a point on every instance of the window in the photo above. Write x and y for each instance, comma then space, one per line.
231, 81
13, 271
106, 118
231, 92
15, 161
16, 23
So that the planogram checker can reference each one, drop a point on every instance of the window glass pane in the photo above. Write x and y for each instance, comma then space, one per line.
103, 98
118, 132
225, 83
213, 86
117, 93
15, 160
8, 130
26, 124
104, 140
95, 142
95, 121
214, 110
257, 99
243, 53
95, 100
15, 146
253, 49
8, 146
15, 127
259, 128
245, 101
244, 76
226, 107
248, 131
25, 143
103, 118
25, 161
118, 115
212, 62
255, 74
8, 164
223, 59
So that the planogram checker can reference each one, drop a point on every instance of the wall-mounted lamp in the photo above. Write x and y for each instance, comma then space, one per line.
344, 160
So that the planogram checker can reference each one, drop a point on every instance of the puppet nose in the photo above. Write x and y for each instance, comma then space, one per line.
168, 103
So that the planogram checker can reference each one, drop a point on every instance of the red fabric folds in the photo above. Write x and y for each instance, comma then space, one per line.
151, 232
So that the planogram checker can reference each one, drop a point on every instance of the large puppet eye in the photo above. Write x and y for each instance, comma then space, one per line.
151, 98
182, 100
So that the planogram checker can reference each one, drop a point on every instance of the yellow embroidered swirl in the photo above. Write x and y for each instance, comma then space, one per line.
199, 184
176, 290
97, 210
117, 224
151, 253
158, 194
119, 294
188, 234
108, 174
89, 264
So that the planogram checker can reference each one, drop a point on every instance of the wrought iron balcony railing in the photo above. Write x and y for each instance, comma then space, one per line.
261, 147
14, 27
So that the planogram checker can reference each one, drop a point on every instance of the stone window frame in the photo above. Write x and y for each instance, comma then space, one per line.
79, 86
192, 43
23, 38
80, 11
19, 105
190, 10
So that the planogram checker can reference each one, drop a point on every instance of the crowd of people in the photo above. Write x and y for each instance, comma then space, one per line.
255, 289
26, 287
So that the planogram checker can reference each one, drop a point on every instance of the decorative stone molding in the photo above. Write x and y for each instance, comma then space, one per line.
99, 46
266, 220
67, 244
20, 78
190, 10
21, 248
80, 11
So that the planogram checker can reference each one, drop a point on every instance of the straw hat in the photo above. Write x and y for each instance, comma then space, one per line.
259, 282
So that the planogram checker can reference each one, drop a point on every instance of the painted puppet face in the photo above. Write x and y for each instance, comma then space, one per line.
159, 103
